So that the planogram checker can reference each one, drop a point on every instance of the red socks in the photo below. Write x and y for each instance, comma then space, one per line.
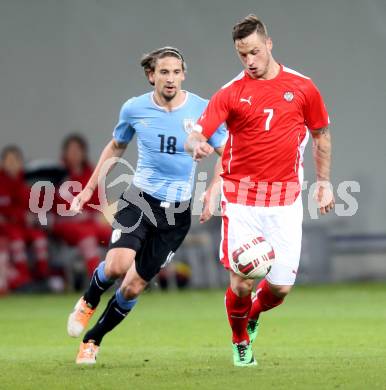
241, 309
264, 300
238, 311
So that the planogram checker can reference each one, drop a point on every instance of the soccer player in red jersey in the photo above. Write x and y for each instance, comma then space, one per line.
269, 110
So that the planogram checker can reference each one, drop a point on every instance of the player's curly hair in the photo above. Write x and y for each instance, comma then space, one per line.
149, 60
248, 26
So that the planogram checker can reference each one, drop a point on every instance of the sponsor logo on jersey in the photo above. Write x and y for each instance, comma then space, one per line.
144, 122
249, 100
188, 125
116, 235
288, 96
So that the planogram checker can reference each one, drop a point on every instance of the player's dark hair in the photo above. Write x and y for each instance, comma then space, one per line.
149, 60
248, 26
11, 149
81, 141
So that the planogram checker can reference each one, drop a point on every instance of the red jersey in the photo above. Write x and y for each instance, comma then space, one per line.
14, 198
267, 122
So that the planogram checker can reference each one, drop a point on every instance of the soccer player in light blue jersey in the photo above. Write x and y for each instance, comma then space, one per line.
154, 214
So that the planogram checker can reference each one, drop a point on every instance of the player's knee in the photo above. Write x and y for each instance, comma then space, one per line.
117, 264
280, 291
133, 288
115, 269
242, 287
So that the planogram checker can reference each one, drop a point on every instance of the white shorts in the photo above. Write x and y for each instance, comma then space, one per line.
281, 226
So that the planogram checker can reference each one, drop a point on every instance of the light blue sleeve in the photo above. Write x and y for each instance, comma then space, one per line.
219, 137
124, 132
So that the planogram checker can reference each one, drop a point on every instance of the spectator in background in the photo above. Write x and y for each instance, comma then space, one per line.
4, 262
18, 228
87, 230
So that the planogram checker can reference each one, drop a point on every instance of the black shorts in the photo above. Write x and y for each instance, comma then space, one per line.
153, 228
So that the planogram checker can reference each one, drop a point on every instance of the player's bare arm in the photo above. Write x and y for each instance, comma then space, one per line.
211, 195
112, 149
321, 147
197, 145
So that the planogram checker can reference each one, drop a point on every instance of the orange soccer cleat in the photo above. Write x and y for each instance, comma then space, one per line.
79, 318
87, 353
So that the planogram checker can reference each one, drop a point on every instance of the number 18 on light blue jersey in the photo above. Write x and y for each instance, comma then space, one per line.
164, 170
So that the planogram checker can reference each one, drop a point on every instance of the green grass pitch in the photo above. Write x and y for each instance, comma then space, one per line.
327, 337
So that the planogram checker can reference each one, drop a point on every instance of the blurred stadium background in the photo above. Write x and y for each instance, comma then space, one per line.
67, 66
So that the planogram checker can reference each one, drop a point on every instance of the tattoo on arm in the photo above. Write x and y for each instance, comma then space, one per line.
321, 131
322, 152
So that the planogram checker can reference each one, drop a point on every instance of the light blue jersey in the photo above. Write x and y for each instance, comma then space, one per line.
164, 169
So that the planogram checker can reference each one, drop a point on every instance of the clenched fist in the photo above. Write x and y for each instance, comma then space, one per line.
81, 199
201, 149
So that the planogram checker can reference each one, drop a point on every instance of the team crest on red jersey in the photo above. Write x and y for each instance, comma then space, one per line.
288, 96
189, 124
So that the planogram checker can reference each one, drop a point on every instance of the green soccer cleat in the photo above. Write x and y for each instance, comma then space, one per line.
243, 355
253, 330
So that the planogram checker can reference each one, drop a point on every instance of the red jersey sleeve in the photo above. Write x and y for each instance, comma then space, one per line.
315, 112
215, 113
